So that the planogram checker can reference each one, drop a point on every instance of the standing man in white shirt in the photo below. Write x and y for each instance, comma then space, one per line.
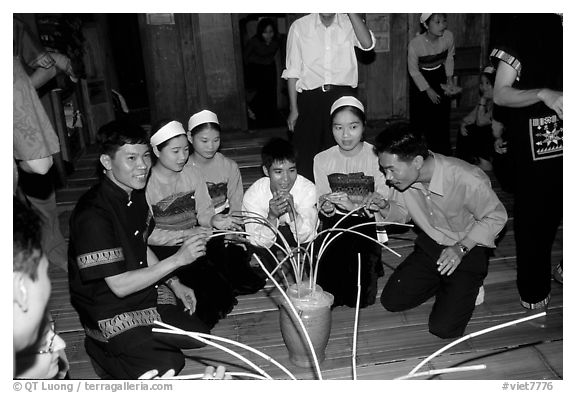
321, 67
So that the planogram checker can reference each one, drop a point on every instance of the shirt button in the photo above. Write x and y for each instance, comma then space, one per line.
136, 233
141, 263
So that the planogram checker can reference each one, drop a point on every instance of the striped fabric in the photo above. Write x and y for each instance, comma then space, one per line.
508, 59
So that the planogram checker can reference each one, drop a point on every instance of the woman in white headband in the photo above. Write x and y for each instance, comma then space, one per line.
222, 174
431, 69
224, 183
345, 175
181, 206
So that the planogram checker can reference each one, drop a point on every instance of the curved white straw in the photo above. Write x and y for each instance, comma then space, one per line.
443, 371
174, 330
350, 230
232, 374
503, 325
355, 336
223, 233
244, 346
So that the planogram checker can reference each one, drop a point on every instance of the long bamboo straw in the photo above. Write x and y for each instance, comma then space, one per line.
231, 342
487, 330
232, 374
349, 230
443, 371
355, 338
172, 330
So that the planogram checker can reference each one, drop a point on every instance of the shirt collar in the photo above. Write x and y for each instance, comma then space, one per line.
337, 21
114, 190
436, 182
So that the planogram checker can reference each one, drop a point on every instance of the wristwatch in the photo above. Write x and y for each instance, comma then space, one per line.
463, 249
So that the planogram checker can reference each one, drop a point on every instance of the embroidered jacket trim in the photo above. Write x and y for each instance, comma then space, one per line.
101, 257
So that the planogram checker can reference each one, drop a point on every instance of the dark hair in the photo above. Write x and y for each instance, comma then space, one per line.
159, 124
491, 76
399, 138
356, 111
27, 235
118, 133
261, 26
205, 126
277, 150
423, 25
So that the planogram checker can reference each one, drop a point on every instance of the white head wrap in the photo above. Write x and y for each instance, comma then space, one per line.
170, 130
202, 117
424, 17
346, 101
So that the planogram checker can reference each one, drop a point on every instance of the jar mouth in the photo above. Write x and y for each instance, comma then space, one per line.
303, 296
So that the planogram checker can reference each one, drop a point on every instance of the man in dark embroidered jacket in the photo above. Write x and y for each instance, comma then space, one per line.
529, 83
115, 280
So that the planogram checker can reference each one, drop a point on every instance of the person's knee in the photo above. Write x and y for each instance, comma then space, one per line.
445, 328
391, 303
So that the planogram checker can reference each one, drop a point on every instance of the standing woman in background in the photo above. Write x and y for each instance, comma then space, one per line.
431, 68
260, 57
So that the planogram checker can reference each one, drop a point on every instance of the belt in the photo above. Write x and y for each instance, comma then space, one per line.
327, 88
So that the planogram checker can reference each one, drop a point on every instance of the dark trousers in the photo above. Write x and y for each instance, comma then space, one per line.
537, 217
417, 279
313, 131
478, 144
137, 350
429, 119
338, 268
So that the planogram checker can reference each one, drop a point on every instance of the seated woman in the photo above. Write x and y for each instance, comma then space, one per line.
345, 175
224, 183
181, 206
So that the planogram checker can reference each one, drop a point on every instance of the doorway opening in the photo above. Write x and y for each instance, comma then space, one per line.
263, 38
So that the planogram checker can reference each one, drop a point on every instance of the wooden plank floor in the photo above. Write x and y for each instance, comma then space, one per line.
389, 344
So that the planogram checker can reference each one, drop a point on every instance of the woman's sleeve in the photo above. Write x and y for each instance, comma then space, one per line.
320, 177
449, 65
235, 188
413, 69
204, 206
